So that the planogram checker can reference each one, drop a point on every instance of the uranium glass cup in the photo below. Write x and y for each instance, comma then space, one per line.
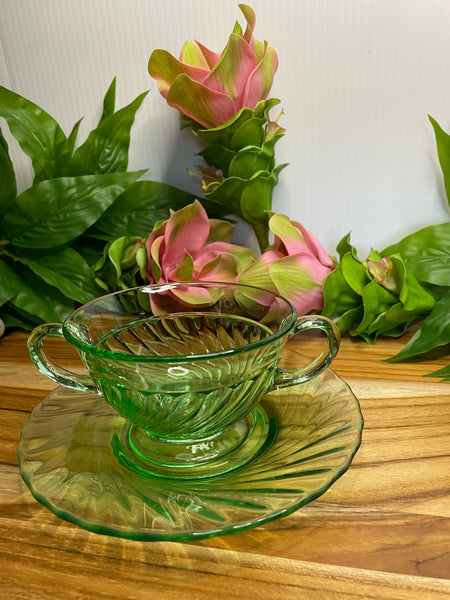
186, 365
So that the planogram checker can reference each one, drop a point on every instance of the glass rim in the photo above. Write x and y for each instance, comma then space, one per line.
89, 349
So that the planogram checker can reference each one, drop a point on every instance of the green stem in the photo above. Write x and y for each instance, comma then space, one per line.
262, 235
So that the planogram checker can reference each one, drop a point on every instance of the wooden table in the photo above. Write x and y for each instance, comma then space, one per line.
381, 531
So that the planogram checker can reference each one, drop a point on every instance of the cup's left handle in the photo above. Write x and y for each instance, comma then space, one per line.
51, 369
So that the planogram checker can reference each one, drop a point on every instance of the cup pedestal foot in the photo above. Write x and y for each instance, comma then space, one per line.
188, 458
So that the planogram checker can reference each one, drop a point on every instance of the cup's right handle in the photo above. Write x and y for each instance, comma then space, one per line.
284, 378
50, 368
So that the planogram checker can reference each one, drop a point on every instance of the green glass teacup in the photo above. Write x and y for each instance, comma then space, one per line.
186, 365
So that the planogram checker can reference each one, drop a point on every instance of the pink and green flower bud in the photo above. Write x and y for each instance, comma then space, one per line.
382, 270
191, 247
211, 88
294, 266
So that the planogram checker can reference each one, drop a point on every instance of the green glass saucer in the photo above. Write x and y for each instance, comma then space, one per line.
69, 459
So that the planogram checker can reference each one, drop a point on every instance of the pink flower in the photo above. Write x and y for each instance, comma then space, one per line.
212, 88
383, 271
191, 247
294, 266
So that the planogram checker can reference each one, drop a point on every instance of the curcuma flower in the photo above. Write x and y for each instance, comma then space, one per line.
294, 266
224, 100
212, 88
191, 247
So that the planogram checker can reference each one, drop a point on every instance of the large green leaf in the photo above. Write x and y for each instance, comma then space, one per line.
435, 332
109, 101
90, 248
54, 212
44, 302
12, 317
443, 149
106, 148
8, 190
64, 269
426, 253
10, 282
38, 134
71, 140
143, 204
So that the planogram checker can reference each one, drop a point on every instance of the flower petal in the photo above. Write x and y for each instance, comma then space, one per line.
166, 68
250, 17
210, 57
287, 234
192, 55
220, 231
187, 229
261, 79
258, 274
231, 72
184, 270
206, 106
295, 282
197, 296
315, 246
244, 256
154, 251
223, 267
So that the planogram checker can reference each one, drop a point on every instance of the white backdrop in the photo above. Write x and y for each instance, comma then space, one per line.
357, 80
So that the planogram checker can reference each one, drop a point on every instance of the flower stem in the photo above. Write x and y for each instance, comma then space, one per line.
262, 235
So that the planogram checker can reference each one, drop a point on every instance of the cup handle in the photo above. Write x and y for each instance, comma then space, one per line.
284, 378
50, 368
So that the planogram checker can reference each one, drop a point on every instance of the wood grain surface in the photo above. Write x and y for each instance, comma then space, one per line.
381, 531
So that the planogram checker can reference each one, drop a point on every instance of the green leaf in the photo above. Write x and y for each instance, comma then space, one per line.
62, 268
228, 193
434, 332
376, 300
394, 322
256, 197
141, 206
54, 212
426, 253
344, 247
339, 297
248, 162
38, 134
443, 149
89, 248
11, 282
8, 189
106, 148
250, 133
413, 296
354, 272
223, 134
218, 157
109, 101
444, 372
12, 318
71, 140
123, 264
43, 302
349, 319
